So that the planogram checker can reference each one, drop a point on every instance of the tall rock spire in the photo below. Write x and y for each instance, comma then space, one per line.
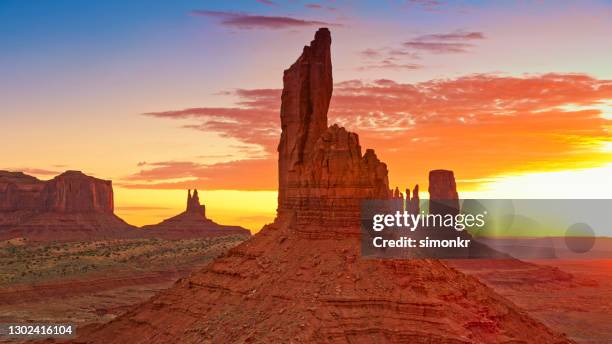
307, 90
195, 199
333, 295
193, 204
188, 200
323, 175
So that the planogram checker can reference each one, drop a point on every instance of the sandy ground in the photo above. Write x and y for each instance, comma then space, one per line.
580, 306
92, 282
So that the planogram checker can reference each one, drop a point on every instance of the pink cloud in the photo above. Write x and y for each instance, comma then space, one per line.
527, 118
391, 64
452, 36
370, 53
251, 21
252, 174
453, 42
438, 47
254, 120
313, 6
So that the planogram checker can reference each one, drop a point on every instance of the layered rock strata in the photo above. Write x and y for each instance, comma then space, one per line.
71, 206
70, 192
283, 286
323, 175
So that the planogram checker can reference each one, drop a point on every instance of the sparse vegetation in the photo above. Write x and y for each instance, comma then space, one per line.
50, 261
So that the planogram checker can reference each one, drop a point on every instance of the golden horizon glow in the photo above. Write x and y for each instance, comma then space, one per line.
249, 209
152, 106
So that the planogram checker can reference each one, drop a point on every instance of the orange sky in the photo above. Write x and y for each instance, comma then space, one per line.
515, 98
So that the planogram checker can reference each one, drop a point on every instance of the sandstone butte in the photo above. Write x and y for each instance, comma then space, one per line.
71, 206
77, 207
301, 279
191, 223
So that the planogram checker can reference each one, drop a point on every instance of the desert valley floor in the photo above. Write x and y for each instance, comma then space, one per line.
94, 282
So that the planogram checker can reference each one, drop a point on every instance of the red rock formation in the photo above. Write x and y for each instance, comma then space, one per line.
71, 206
307, 90
18, 191
75, 192
322, 174
443, 196
283, 286
413, 205
70, 192
193, 203
192, 223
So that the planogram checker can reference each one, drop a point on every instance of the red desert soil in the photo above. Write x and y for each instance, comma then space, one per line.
85, 282
579, 304
302, 279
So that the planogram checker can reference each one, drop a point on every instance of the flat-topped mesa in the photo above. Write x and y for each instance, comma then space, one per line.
19, 191
70, 192
322, 174
75, 192
193, 204
443, 197
70, 207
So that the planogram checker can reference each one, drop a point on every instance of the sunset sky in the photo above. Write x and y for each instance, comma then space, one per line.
161, 96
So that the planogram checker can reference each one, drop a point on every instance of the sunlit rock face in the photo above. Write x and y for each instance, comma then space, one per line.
302, 279
70, 192
443, 196
72, 206
323, 175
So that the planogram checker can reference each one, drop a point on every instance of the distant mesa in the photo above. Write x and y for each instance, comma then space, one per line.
71, 206
443, 196
74, 206
192, 223
302, 278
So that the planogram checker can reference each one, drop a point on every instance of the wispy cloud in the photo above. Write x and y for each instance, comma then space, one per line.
254, 119
438, 47
445, 43
267, 2
388, 58
370, 53
227, 175
538, 121
391, 64
313, 6
452, 36
429, 5
252, 21
36, 171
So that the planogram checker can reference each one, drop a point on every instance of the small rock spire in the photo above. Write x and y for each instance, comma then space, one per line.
193, 203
